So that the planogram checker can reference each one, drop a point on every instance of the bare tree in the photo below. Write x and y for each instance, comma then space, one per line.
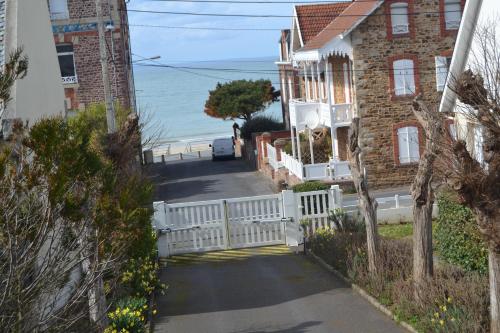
368, 203
423, 193
473, 165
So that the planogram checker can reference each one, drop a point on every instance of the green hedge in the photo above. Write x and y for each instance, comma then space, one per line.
310, 187
458, 240
260, 124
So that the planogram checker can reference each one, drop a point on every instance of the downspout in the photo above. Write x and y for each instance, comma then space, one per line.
461, 52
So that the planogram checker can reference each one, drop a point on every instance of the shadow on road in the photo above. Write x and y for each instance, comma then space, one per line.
183, 189
299, 328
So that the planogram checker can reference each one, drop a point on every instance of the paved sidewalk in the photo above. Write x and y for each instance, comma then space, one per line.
261, 290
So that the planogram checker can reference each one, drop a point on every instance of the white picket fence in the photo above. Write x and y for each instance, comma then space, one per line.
240, 222
258, 221
294, 167
272, 157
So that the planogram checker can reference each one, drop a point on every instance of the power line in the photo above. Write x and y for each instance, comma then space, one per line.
266, 2
282, 16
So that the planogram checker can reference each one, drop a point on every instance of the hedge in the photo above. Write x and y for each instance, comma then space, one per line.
310, 187
457, 237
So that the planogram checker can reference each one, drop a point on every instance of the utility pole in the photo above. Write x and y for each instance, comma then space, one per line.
110, 110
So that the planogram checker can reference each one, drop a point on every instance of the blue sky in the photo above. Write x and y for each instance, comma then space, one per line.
193, 45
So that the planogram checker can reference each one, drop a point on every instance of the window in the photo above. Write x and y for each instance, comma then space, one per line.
442, 67
408, 145
404, 77
58, 9
399, 18
67, 63
452, 14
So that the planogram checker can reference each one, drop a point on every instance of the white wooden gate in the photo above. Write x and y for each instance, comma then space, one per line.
241, 222
219, 224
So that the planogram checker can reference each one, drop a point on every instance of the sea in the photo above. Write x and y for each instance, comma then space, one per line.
171, 100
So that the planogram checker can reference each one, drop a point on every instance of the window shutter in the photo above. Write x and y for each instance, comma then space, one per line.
404, 156
399, 18
478, 144
441, 72
404, 77
58, 9
452, 14
414, 146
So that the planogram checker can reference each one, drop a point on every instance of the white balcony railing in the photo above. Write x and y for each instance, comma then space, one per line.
302, 111
340, 170
318, 171
70, 80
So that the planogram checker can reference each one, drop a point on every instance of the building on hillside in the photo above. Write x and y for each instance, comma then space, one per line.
26, 25
369, 60
74, 25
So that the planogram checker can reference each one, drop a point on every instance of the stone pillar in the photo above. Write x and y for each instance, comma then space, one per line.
266, 138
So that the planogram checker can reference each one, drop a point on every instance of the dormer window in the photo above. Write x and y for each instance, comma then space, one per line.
452, 14
399, 18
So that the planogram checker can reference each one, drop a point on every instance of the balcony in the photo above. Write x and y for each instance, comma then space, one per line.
69, 80
303, 113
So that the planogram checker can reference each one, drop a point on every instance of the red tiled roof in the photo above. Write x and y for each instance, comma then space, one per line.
349, 18
314, 18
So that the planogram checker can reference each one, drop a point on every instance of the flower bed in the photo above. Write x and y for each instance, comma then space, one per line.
453, 301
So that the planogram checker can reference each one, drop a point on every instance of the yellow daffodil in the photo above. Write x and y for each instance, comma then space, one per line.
441, 322
436, 314
449, 299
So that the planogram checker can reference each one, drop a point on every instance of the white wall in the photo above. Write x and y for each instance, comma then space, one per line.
41, 92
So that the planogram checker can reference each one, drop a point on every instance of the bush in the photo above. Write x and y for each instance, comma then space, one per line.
454, 300
260, 124
129, 316
310, 187
458, 240
141, 276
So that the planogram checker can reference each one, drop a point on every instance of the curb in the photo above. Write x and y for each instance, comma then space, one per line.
372, 300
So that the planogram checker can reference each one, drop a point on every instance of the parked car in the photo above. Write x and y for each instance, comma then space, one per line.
222, 148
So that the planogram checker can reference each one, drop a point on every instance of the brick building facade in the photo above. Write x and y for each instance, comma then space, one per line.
371, 61
74, 24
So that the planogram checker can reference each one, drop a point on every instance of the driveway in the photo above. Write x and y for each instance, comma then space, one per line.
261, 290
197, 180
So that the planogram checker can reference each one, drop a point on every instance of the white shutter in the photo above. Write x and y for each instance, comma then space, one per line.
404, 78
399, 18
441, 72
409, 147
452, 14
404, 156
58, 9
414, 146
478, 144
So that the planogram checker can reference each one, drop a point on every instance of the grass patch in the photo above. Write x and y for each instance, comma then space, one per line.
396, 231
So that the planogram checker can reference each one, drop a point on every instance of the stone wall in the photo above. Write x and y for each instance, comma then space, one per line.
378, 108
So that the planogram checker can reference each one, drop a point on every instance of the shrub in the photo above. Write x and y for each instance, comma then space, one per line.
458, 240
454, 300
260, 124
310, 187
129, 316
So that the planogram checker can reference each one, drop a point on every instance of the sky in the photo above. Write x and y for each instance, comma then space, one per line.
180, 45
194, 45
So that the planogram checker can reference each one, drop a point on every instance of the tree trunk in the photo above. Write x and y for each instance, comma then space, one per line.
494, 273
423, 195
368, 204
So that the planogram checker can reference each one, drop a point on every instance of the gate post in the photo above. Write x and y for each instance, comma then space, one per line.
336, 197
160, 222
290, 210
225, 226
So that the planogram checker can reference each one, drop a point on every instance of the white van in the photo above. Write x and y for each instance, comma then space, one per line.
223, 147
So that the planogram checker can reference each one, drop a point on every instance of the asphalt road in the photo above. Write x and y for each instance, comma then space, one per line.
202, 179
261, 290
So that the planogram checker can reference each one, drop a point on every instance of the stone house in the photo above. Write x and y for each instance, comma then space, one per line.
366, 59
74, 26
